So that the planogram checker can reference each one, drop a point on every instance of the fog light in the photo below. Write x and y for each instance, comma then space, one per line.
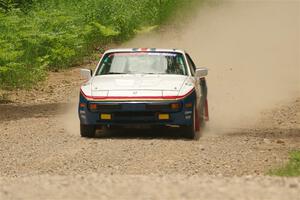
93, 106
105, 116
163, 116
189, 105
175, 106
82, 105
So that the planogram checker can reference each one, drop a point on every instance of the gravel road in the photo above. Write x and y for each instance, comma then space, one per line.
97, 186
43, 157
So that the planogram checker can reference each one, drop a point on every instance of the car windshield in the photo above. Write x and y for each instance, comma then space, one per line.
143, 63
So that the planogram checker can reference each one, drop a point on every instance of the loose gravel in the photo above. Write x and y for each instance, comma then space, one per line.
41, 157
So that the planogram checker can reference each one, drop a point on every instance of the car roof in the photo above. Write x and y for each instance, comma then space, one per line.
144, 50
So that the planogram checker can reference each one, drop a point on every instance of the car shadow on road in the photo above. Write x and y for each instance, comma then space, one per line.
9, 112
145, 134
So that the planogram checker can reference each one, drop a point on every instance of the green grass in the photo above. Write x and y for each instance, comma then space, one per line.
41, 35
292, 168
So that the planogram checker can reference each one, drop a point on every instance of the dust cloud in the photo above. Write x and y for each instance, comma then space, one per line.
252, 50
70, 120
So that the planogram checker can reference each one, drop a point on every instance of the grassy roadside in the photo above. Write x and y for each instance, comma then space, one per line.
292, 168
50, 35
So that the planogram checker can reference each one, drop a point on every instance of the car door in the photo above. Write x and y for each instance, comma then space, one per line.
197, 80
201, 82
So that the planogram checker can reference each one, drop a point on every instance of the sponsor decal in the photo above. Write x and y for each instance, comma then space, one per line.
188, 117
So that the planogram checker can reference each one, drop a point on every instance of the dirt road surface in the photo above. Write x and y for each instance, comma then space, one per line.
43, 157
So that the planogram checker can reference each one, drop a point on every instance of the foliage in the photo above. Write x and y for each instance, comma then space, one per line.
292, 168
41, 35
7, 5
4, 99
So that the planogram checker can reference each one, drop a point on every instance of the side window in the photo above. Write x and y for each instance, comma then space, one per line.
191, 64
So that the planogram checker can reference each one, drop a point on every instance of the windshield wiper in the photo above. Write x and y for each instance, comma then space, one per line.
156, 73
115, 73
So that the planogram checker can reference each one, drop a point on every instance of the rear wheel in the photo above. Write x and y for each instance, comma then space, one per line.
87, 131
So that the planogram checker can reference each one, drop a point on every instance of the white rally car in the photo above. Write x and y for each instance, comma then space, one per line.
156, 87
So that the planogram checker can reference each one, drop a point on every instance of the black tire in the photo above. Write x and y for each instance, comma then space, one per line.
190, 131
203, 85
87, 131
202, 116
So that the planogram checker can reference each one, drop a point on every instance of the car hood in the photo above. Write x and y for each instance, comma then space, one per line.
137, 85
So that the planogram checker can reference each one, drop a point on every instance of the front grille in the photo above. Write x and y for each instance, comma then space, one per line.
143, 116
157, 106
108, 107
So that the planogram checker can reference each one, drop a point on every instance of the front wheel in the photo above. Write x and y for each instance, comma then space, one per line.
193, 131
87, 131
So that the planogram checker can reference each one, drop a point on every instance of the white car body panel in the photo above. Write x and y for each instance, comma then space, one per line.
140, 85
137, 85
138, 82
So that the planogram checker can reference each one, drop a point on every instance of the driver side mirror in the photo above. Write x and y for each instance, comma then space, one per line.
86, 74
201, 72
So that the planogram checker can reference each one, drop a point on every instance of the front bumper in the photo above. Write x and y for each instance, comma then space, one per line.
144, 112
